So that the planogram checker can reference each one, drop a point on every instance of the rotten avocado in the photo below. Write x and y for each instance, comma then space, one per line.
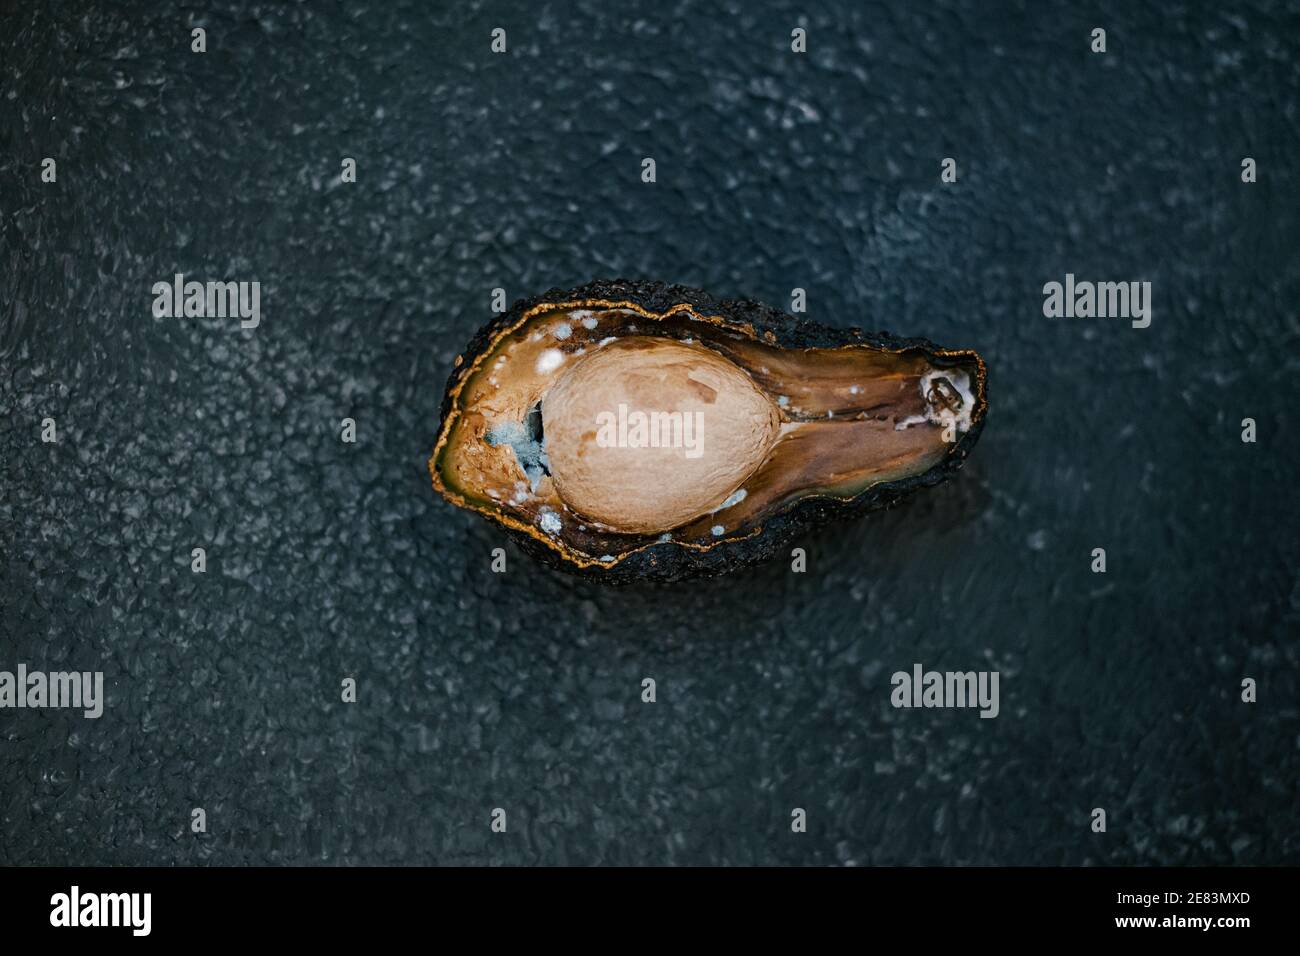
640, 431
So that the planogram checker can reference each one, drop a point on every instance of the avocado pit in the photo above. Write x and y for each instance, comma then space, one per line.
646, 433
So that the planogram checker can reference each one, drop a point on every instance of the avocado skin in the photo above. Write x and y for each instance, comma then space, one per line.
667, 561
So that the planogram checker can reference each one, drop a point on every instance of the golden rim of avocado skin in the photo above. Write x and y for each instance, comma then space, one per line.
522, 441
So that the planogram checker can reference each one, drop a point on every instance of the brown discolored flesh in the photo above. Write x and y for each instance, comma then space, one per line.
521, 442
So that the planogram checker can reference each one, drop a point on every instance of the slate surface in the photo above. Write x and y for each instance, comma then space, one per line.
522, 690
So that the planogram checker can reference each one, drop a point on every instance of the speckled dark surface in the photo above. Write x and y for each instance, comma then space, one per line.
522, 691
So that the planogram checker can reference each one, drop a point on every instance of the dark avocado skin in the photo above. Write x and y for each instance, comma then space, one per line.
669, 561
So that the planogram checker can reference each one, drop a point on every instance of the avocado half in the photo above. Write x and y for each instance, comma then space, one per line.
630, 430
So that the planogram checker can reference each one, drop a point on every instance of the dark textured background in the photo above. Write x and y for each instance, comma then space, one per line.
521, 690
